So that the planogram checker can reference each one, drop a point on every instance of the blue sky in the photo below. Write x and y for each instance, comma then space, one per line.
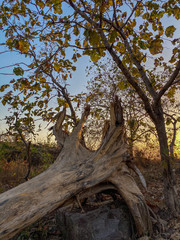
79, 79
76, 84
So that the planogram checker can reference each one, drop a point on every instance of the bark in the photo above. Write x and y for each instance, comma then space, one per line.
77, 171
172, 144
28, 155
170, 190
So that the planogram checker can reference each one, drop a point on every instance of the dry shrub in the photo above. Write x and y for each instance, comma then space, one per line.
11, 174
144, 158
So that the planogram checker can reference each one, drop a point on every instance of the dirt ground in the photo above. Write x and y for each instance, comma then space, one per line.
170, 227
165, 226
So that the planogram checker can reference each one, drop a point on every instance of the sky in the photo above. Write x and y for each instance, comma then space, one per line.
78, 82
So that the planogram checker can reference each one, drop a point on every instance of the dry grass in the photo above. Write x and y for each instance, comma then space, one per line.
11, 174
13, 164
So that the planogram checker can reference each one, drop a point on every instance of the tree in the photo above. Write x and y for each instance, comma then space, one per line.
20, 128
128, 30
172, 118
106, 82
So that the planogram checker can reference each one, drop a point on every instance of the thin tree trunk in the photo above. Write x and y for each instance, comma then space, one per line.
28, 155
170, 190
172, 144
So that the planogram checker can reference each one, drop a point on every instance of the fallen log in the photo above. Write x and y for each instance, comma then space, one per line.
76, 171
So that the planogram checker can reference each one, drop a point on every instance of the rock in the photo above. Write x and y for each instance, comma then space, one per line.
144, 238
103, 223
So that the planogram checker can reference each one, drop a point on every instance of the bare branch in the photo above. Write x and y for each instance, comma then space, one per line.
177, 81
27, 145
7, 74
12, 65
65, 95
4, 52
71, 3
101, 14
174, 123
86, 48
169, 82
114, 14
133, 10
59, 134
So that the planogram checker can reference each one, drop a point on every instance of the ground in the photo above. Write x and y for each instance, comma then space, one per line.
170, 229
166, 227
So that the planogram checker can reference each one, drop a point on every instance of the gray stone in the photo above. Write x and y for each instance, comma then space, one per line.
103, 223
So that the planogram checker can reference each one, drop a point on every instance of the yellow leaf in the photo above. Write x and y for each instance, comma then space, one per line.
87, 99
64, 77
23, 46
66, 105
41, 4
56, 67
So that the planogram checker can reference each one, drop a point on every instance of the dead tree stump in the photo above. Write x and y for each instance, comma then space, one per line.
77, 171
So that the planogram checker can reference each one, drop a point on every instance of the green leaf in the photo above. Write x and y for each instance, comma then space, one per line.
122, 85
170, 31
156, 46
142, 44
18, 71
168, 121
94, 55
171, 92
113, 36
76, 31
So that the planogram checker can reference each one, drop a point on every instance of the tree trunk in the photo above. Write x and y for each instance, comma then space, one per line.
170, 191
77, 171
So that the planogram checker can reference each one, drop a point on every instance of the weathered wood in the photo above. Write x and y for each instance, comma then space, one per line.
75, 171
133, 198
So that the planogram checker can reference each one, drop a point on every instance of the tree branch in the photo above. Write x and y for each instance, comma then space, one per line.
28, 148
172, 144
59, 134
119, 62
82, 14
114, 14
134, 9
127, 74
169, 82
5, 52
16, 64
65, 95
61, 88
135, 61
